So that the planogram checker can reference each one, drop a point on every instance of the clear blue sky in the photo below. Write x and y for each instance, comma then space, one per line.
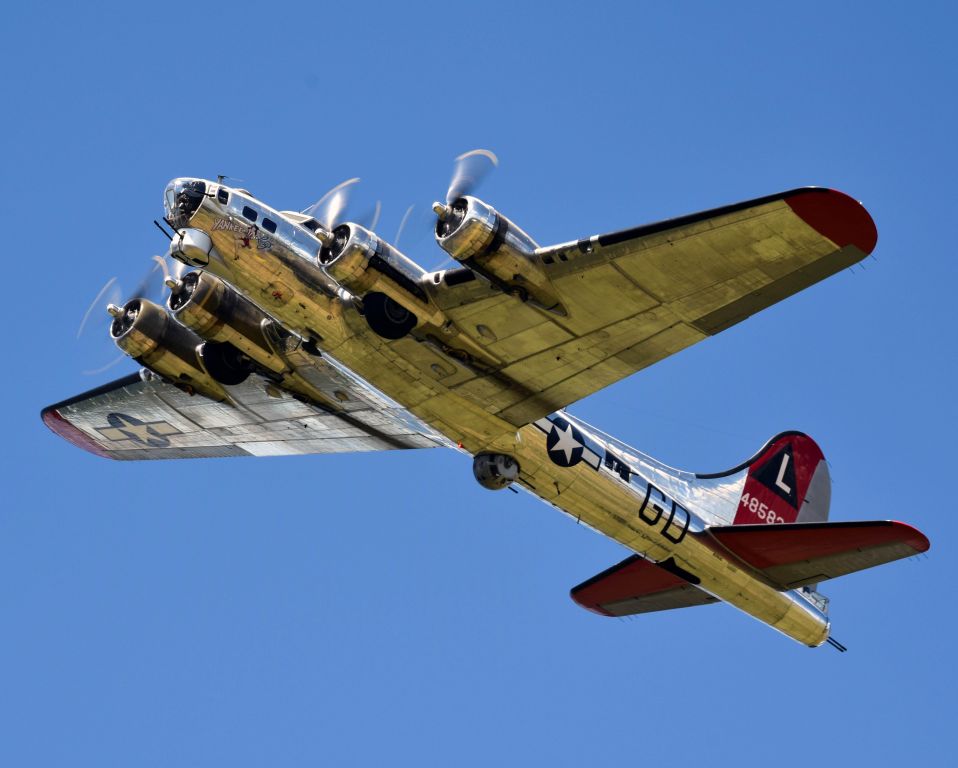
383, 608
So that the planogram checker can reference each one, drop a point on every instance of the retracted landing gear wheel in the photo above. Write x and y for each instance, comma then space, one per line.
386, 317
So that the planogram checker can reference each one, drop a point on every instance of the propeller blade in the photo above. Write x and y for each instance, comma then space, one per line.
470, 170
417, 225
369, 219
329, 209
108, 366
402, 225
151, 287
111, 292
373, 220
92, 331
161, 263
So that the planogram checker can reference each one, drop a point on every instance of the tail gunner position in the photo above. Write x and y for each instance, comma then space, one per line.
300, 333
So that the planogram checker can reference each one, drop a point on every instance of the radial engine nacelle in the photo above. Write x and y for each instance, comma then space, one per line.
217, 312
481, 238
151, 337
389, 283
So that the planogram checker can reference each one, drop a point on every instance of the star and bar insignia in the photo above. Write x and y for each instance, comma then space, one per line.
565, 444
152, 434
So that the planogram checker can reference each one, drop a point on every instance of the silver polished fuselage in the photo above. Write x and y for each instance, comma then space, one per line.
279, 270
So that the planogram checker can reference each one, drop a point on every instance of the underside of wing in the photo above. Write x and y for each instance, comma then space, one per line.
629, 299
144, 417
795, 554
637, 586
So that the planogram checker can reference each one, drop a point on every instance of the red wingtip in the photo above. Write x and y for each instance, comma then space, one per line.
70, 433
837, 216
913, 537
592, 607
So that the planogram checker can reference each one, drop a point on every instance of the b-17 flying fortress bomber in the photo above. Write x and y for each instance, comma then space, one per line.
296, 333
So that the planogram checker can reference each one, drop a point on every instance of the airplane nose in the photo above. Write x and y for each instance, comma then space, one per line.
181, 200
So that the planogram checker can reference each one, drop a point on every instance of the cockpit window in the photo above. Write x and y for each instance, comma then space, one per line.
249, 213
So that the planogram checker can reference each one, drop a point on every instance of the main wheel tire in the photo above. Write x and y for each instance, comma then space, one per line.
386, 317
224, 362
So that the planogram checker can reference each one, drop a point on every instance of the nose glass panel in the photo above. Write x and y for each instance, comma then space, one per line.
181, 200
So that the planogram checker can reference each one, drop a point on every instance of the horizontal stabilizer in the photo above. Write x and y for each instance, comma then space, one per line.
792, 555
637, 585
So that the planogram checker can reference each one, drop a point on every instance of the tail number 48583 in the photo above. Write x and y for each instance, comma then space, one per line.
760, 508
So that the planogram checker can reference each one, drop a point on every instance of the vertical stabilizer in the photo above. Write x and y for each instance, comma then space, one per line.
787, 481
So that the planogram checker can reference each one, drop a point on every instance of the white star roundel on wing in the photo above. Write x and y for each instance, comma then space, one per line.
565, 444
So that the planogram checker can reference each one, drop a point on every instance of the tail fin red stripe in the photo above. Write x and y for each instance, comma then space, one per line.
778, 481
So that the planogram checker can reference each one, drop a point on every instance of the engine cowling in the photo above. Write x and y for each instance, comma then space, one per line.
481, 238
151, 337
241, 337
388, 283
217, 312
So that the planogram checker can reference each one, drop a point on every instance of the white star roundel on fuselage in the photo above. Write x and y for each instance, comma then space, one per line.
565, 443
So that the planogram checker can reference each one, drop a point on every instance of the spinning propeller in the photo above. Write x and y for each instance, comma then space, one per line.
331, 209
469, 172
95, 324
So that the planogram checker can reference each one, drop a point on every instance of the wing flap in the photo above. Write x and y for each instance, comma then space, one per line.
792, 555
638, 586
